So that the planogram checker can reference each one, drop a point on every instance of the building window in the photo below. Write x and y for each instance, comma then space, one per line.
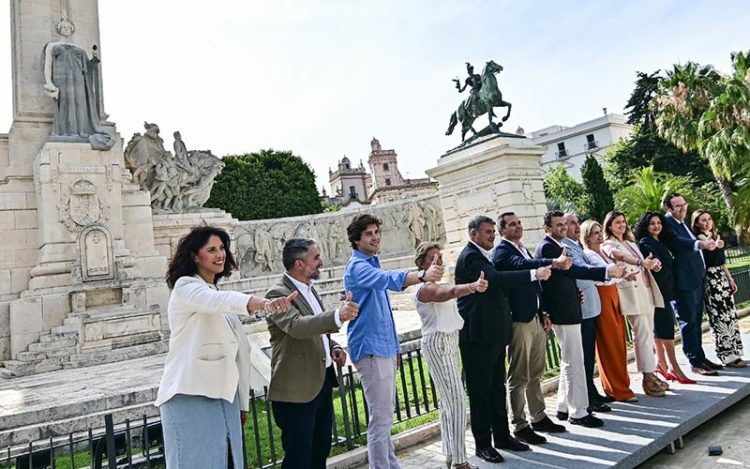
385, 167
590, 142
352, 192
346, 165
561, 151
387, 181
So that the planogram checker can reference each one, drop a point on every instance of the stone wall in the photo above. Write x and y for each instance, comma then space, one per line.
405, 224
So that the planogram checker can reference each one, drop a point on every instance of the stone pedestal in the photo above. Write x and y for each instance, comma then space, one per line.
488, 177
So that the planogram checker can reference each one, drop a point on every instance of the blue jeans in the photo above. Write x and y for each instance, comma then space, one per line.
201, 432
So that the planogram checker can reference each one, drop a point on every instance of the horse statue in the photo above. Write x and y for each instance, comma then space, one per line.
482, 100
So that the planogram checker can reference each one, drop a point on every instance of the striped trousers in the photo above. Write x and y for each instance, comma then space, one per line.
441, 353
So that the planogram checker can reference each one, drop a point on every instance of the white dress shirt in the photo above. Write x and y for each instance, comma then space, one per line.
317, 308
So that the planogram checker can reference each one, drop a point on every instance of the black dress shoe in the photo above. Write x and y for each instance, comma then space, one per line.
527, 435
704, 369
599, 407
547, 425
587, 421
489, 454
562, 415
712, 365
605, 399
511, 444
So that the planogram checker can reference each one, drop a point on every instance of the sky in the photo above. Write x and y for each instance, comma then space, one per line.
322, 77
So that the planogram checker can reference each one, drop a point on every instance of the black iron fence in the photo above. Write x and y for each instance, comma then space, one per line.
132, 444
737, 255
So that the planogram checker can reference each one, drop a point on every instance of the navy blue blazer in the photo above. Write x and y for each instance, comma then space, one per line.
486, 316
525, 301
689, 269
559, 292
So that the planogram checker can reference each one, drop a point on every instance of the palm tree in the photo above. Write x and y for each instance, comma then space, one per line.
647, 188
699, 109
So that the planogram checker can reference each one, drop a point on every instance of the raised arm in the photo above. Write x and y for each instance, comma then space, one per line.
364, 276
198, 297
433, 293
506, 259
476, 263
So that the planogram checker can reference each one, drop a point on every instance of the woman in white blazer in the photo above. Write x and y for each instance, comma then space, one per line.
639, 295
204, 392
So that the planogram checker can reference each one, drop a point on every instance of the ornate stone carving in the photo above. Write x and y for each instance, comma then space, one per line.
95, 245
177, 183
83, 207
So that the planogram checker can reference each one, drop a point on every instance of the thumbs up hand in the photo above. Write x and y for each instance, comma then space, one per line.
650, 263
282, 303
719, 242
543, 273
562, 262
435, 271
348, 309
480, 285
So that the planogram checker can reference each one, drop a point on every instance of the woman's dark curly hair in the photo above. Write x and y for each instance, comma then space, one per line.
183, 263
640, 230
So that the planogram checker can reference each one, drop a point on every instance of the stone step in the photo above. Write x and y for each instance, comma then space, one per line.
114, 355
121, 342
53, 427
49, 346
54, 337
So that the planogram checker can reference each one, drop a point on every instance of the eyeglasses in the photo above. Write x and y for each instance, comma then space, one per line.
679, 205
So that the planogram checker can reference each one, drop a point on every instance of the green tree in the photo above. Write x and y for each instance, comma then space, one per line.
267, 184
699, 109
597, 199
645, 190
562, 191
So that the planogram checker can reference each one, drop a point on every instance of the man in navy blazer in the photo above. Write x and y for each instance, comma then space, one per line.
563, 303
526, 352
689, 275
483, 339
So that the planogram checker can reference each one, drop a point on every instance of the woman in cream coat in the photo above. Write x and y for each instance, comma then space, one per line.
204, 392
639, 295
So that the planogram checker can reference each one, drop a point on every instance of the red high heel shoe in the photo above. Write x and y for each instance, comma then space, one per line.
667, 375
685, 380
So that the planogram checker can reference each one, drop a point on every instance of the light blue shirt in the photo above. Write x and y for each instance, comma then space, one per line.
373, 332
591, 306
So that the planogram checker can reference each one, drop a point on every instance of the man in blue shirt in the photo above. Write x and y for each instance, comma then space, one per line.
372, 339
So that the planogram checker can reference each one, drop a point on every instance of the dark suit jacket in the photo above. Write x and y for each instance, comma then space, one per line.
665, 276
559, 292
486, 316
524, 300
297, 358
689, 270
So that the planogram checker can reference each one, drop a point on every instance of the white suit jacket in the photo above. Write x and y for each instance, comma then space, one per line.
209, 354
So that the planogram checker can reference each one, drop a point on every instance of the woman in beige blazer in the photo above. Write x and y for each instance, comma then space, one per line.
205, 388
639, 295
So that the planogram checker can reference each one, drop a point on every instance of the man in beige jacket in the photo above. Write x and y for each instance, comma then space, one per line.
302, 373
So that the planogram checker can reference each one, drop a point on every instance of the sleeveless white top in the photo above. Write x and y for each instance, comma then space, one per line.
438, 317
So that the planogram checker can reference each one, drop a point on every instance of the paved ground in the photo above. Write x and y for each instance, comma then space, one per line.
632, 427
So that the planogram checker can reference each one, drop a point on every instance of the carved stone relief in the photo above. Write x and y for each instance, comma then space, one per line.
83, 207
95, 244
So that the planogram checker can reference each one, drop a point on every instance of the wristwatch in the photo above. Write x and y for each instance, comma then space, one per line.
421, 274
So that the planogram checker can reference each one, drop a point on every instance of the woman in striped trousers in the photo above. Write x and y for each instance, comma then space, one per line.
441, 322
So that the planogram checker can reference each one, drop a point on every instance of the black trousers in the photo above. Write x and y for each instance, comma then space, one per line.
588, 338
690, 316
484, 365
306, 429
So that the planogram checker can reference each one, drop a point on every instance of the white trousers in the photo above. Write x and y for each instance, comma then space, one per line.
572, 395
642, 326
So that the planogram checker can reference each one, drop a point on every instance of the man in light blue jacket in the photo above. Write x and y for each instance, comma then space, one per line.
591, 307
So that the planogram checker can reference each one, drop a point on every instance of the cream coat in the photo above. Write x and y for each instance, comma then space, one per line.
635, 296
209, 354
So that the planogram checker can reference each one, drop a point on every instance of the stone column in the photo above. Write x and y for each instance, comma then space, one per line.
494, 175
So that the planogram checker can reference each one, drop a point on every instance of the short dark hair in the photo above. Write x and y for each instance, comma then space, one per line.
667, 202
640, 230
183, 264
550, 215
295, 248
501, 219
358, 225
476, 222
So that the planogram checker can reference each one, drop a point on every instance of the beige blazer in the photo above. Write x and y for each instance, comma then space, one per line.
635, 296
209, 354
298, 361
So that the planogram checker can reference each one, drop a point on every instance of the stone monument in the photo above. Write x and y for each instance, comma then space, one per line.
81, 281
492, 172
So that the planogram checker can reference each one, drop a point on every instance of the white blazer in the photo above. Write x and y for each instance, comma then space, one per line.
209, 354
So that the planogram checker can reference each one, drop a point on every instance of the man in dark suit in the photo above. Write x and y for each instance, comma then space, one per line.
526, 352
302, 359
563, 303
689, 275
482, 341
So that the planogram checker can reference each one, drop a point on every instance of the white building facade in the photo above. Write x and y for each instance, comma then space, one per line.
569, 146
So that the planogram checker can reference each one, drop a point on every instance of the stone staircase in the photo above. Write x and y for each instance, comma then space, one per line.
100, 335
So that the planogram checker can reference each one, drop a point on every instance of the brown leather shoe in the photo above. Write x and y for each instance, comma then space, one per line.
490, 455
739, 363
704, 370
